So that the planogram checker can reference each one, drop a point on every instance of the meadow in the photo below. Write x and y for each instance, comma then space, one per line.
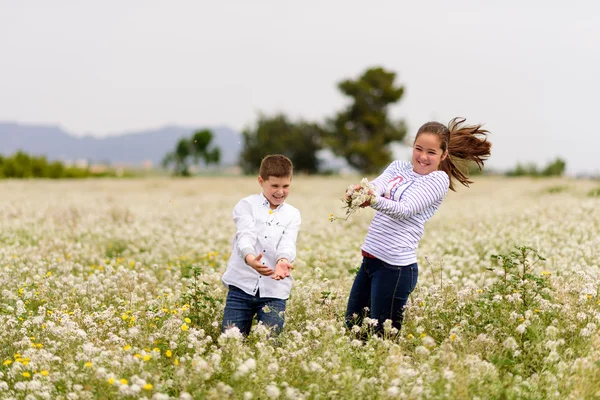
111, 289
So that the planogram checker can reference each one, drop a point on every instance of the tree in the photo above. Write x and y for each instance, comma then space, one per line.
179, 158
299, 141
200, 148
555, 168
362, 132
196, 147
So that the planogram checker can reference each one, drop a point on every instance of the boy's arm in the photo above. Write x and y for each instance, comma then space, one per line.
245, 228
415, 200
286, 248
246, 237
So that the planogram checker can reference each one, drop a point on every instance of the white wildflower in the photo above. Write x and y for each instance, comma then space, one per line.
428, 341
422, 351
393, 391
510, 343
273, 392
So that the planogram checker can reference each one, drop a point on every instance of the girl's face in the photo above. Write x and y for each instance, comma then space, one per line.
427, 154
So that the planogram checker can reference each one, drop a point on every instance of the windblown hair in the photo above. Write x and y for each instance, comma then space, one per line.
465, 143
275, 165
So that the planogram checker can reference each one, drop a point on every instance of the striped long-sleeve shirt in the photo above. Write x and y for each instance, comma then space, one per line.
406, 200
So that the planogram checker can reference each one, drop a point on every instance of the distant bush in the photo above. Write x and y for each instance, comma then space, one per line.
555, 189
22, 165
594, 192
555, 168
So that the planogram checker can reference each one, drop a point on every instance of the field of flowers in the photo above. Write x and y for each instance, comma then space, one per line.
111, 289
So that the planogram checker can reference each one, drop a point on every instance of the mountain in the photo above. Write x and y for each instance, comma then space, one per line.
130, 148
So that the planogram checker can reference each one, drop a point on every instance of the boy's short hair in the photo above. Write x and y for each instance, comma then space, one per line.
276, 165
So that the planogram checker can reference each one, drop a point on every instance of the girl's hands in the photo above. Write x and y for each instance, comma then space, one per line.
351, 189
356, 187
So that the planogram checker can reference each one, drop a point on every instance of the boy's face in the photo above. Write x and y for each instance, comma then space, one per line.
275, 189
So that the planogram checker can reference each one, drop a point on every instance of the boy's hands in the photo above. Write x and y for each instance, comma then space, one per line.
255, 263
282, 269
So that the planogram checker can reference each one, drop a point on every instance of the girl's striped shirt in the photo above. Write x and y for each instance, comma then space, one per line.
406, 200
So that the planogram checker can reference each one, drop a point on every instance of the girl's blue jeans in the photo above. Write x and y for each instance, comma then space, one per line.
380, 291
240, 309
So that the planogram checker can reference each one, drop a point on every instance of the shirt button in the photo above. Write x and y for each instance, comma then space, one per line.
265, 237
260, 277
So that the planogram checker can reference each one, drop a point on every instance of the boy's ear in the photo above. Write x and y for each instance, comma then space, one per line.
260, 180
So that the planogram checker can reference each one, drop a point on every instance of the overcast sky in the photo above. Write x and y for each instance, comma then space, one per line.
529, 70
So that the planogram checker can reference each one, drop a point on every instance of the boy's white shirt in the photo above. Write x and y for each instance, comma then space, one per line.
260, 230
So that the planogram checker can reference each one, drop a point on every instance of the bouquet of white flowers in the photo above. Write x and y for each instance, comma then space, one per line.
359, 195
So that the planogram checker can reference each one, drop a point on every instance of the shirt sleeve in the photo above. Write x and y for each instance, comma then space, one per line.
286, 248
417, 198
245, 228
382, 180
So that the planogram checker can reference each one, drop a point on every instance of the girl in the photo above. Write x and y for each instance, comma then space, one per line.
407, 195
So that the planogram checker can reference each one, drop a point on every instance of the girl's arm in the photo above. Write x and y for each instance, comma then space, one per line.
382, 180
416, 198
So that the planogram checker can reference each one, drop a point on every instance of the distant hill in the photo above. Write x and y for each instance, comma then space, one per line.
130, 148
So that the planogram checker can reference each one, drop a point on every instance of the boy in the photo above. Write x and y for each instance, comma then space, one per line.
264, 247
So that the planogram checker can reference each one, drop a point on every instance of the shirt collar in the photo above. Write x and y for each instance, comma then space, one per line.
265, 202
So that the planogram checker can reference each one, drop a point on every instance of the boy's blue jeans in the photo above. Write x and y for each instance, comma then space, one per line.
384, 289
240, 309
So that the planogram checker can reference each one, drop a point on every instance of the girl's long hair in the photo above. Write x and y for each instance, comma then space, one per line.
464, 143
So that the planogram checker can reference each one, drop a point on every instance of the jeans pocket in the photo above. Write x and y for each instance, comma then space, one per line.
414, 274
390, 266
